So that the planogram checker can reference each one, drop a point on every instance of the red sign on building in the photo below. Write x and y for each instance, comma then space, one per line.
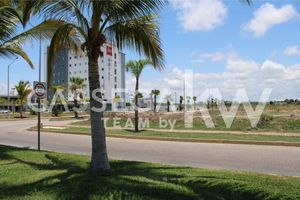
109, 50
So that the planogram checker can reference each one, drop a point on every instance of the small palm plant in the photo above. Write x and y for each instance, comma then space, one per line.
23, 90
57, 88
155, 93
76, 86
136, 68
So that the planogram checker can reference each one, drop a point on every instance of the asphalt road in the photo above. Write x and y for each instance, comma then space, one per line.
255, 158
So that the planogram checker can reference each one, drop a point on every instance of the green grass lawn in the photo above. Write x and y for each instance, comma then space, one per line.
27, 174
176, 135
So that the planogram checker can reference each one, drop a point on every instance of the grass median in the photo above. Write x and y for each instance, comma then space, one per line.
28, 174
186, 136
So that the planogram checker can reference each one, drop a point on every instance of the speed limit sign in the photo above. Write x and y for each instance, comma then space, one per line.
39, 89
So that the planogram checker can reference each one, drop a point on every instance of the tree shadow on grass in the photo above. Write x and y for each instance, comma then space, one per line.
128, 180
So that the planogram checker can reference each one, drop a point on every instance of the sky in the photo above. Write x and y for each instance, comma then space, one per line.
227, 44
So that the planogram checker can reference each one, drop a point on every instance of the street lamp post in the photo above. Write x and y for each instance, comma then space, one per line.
8, 96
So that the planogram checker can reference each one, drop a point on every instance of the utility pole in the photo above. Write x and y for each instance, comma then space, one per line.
39, 99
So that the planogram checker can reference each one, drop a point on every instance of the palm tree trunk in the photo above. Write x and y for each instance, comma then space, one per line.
75, 105
21, 109
136, 111
99, 158
154, 103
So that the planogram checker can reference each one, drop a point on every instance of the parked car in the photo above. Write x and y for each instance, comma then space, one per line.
4, 111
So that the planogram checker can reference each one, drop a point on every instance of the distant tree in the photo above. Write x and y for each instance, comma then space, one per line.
180, 103
117, 99
155, 93
169, 99
23, 90
76, 86
57, 88
195, 100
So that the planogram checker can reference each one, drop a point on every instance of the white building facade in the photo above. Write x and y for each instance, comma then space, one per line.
69, 64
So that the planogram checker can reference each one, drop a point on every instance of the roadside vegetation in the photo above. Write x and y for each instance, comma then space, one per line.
27, 174
276, 118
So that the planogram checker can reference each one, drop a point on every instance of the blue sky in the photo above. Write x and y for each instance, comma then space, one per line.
228, 45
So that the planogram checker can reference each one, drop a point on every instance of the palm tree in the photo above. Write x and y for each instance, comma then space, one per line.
57, 88
155, 93
169, 99
23, 90
180, 103
194, 99
136, 68
117, 99
88, 26
76, 86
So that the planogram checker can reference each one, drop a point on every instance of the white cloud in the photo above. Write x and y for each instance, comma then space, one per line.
292, 51
3, 89
273, 70
199, 15
244, 67
215, 57
238, 73
268, 16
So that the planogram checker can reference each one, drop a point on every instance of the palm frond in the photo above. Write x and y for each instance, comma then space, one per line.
6, 51
141, 34
44, 30
66, 36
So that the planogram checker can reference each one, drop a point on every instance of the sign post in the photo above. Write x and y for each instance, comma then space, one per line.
39, 89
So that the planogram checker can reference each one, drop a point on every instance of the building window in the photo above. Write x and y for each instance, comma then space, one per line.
115, 79
115, 56
79, 64
102, 69
70, 73
115, 72
75, 65
75, 57
70, 58
70, 65
115, 86
102, 77
115, 63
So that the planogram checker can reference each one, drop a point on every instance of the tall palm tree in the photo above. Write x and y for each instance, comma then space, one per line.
76, 86
155, 93
194, 99
88, 26
23, 90
180, 103
169, 99
136, 68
